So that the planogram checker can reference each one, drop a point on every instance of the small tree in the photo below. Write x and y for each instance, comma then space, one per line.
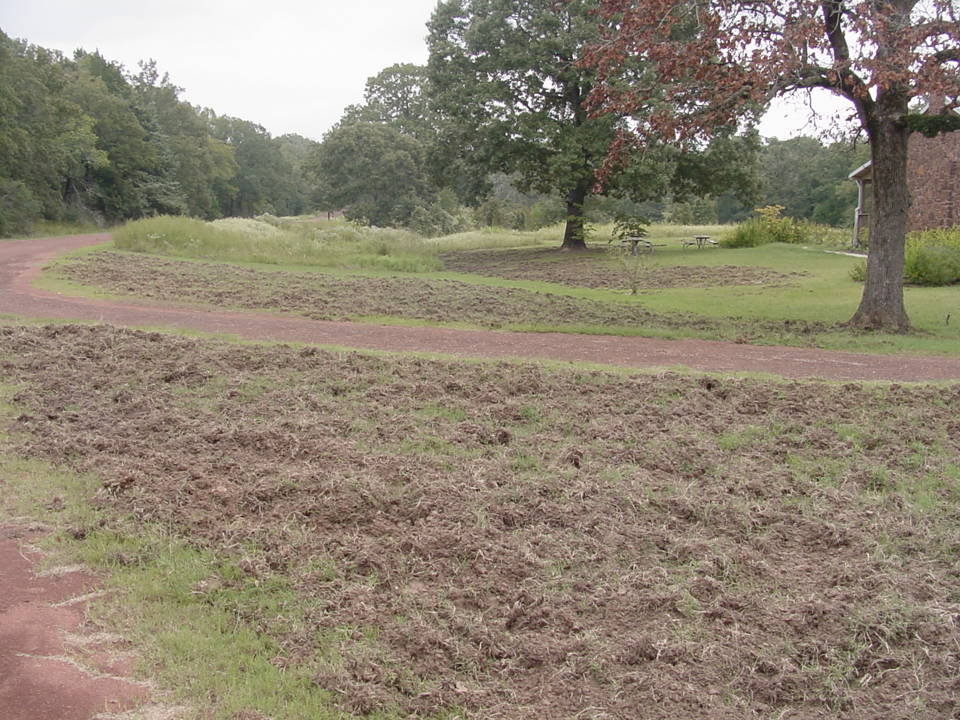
721, 60
372, 170
630, 230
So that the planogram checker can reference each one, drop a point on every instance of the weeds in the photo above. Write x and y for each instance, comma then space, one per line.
244, 240
770, 226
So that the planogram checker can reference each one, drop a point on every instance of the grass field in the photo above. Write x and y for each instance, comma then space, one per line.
296, 533
772, 294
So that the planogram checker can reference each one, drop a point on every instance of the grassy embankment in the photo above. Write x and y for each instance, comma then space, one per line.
778, 293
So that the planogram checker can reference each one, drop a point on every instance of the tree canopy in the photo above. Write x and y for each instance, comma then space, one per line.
505, 77
810, 180
373, 170
81, 138
509, 89
397, 96
721, 60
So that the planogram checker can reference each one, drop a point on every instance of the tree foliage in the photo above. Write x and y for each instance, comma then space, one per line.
507, 83
396, 96
721, 60
80, 138
509, 90
810, 180
373, 170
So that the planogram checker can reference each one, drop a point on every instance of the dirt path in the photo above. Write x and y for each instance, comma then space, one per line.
42, 630
22, 260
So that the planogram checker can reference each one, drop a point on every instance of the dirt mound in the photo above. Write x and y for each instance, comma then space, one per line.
507, 541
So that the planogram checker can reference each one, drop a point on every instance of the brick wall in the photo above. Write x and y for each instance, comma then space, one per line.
933, 171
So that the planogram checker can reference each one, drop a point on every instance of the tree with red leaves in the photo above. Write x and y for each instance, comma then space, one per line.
721, 61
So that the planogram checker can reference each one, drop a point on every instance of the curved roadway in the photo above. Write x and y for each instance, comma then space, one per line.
22, 260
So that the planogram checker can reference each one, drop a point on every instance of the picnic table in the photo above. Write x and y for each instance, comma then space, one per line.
701, 241
637, 243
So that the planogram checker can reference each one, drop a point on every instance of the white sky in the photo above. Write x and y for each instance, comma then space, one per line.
288, 65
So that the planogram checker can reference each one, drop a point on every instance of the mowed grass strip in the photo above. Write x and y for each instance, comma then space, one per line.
486, 540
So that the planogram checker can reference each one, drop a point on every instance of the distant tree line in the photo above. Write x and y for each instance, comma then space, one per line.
492, 131
81, 139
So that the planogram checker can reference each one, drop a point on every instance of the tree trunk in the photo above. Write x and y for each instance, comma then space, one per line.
881, 307
574, 236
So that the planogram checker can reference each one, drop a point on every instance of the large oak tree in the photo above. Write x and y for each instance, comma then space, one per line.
719, 60
508, 90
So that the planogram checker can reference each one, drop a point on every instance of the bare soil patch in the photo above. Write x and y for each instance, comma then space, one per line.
598, 268
337, 297
507, 541
40, 619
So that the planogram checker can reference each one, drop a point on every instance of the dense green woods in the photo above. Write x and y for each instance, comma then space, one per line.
83, 140
491, 132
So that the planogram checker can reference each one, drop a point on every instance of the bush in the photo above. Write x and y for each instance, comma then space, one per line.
748, 234
933, 257
436, 219
769, 227
858, 273
625, 226
497, 212
543, 213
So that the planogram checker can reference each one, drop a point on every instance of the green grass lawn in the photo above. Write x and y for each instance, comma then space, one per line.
826, 294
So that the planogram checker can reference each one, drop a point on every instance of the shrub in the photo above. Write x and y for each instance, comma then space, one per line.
497, 212
933, 257
433, 221
746, 234
768, 227
625, 226
858, 273
934, 265
543, 213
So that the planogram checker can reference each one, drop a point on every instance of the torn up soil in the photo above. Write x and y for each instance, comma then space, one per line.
323, 296
505, 541
599, 268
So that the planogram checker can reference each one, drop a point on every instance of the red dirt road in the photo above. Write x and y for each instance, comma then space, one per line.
38, 681
21, 261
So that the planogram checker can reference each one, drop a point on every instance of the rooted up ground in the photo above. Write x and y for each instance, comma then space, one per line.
325, 296
506, 541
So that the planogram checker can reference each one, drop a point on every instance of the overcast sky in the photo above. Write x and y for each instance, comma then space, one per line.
289, 66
